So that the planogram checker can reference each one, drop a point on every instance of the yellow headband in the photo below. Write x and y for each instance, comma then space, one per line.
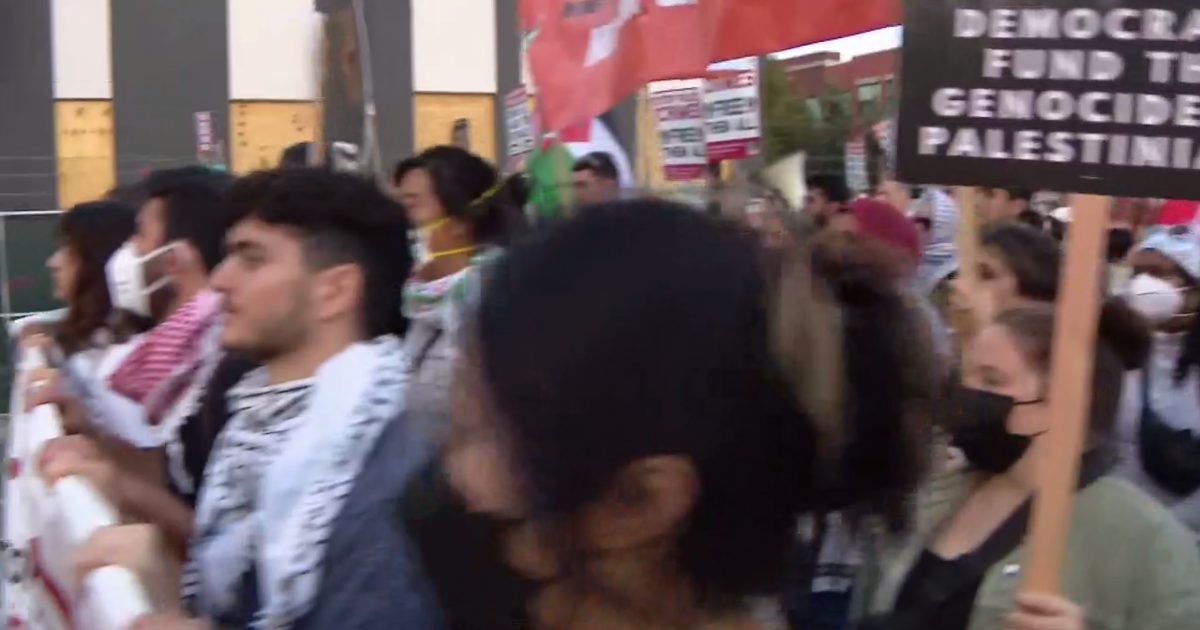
487, 194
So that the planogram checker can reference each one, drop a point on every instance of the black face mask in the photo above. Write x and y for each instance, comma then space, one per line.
979, 429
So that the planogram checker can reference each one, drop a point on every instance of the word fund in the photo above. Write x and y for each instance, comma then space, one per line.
1144, 125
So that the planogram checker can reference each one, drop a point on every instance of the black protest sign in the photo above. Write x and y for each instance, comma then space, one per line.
1095, 97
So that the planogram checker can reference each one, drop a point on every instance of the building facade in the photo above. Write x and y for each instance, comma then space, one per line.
95, 92
868, 82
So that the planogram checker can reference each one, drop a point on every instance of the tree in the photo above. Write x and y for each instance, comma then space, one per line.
788, 125
817, 124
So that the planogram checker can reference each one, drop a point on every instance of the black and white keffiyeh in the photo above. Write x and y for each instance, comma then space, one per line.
279, 475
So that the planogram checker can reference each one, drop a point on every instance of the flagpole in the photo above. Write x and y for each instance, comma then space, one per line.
316, 150
370, 149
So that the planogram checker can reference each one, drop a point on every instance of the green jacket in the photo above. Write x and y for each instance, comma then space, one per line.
1129, 563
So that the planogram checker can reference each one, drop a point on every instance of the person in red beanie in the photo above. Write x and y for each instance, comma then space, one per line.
884, 223
880, 222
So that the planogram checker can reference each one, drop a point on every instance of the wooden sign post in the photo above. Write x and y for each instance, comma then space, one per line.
1007, 98
967, 243
1058, 451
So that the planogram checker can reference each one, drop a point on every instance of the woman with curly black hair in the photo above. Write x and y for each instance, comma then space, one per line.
657, 403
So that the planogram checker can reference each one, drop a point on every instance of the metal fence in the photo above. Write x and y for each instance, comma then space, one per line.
27, 239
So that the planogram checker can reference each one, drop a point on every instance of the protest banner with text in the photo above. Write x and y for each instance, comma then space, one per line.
1063, 95
680, 115
731, 111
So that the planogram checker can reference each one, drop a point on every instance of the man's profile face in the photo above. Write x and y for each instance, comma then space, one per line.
589, 188
267, 290
416, 194
817, 204
1000, 206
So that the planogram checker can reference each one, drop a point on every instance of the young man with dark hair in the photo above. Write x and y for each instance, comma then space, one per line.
296, 526
826, 196
1003, 204
594, 178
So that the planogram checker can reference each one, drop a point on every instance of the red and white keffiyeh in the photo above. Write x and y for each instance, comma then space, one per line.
169, 352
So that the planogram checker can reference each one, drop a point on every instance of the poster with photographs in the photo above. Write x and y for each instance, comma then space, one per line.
680, 115
1084, 96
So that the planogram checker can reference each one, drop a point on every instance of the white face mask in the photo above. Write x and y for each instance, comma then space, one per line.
126, 275
1156, 299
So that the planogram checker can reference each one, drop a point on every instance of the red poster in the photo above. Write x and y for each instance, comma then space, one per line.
586, 55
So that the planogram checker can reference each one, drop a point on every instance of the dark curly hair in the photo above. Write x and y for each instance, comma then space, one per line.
91, 231
793, 383
344, 218
1032, 255
460, 180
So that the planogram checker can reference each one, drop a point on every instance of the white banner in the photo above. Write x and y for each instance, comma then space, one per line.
680, 115
520, 127
731, 109
857, 179
44, 526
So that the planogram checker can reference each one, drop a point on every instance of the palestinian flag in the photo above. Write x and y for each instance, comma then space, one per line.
549, 167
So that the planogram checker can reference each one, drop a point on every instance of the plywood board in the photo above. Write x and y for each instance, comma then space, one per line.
84, 146
261, 130
436, 114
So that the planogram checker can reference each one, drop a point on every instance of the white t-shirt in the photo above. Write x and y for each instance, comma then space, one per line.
1177, 405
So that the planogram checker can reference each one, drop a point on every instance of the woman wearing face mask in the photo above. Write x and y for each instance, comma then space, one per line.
463, 213
1160, 426
1129, 564
656, 402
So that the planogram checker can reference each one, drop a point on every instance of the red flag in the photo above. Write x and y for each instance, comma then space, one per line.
587, 55
583, 63
746, 28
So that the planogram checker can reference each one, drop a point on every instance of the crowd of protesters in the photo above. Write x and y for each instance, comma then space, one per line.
319, 402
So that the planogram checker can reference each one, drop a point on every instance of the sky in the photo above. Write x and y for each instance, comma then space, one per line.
873, 41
